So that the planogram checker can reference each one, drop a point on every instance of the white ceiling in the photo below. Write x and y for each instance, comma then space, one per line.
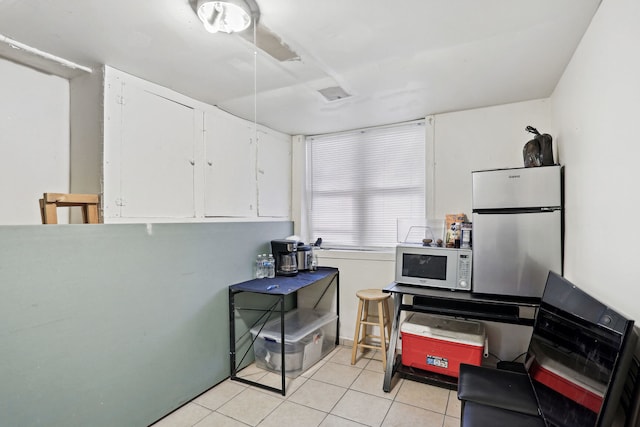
401, 60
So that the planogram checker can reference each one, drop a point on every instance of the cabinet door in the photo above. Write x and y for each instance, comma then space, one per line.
156, 156
274, 175
230, 166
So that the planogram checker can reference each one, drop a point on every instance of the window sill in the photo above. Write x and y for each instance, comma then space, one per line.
378, 255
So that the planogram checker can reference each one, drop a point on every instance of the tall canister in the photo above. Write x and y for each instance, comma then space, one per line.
304, 257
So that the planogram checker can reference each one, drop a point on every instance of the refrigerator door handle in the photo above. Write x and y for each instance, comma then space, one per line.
515, 210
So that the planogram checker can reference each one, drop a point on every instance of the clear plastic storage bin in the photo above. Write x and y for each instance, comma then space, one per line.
309, 336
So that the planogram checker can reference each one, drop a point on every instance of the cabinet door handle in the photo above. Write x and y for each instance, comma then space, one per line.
210, 163
192, 162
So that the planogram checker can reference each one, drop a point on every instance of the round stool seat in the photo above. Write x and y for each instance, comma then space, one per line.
372, 295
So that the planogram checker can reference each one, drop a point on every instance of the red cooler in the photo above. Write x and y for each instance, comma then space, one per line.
440, 344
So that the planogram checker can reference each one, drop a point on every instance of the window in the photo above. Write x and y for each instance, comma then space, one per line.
361, 182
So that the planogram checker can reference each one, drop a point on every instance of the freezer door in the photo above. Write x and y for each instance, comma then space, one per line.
513, 253
517, 188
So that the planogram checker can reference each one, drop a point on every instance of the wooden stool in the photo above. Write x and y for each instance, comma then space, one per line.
88, 202
360, 337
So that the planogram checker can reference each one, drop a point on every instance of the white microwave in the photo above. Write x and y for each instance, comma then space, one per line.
434, 267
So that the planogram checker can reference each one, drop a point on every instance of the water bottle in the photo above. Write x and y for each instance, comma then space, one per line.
265, 265
260, 270
314, 259
271, 267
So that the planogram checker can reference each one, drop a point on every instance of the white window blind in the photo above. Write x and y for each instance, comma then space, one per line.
361, 182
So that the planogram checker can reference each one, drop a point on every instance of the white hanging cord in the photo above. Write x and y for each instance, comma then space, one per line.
255, 83
255, 110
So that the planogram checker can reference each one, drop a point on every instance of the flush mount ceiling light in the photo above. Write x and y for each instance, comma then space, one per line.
229, 16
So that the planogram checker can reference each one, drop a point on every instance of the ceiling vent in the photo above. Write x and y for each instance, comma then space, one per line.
334, 93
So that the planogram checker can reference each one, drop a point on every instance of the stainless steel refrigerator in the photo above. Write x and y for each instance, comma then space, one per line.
517, 230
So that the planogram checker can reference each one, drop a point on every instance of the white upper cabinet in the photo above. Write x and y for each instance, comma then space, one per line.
230, 166
156, 157
168, 157
274, 174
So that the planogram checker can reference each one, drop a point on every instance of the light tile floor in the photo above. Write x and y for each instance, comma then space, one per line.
333, 393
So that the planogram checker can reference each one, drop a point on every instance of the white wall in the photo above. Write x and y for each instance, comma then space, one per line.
484, 138
595, 111
34, 141
86, 98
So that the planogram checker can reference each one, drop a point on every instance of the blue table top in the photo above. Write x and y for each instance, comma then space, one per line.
283, 285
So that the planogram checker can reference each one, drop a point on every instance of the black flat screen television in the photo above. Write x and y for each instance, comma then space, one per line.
578, 356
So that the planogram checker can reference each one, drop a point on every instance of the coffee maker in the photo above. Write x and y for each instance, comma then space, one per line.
284, 252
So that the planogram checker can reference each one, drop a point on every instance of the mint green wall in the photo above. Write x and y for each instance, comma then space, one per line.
117, 325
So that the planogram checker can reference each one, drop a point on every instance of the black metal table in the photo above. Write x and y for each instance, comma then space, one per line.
496, 308
280, 286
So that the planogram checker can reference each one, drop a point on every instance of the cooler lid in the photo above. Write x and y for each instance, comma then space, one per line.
298, 324
445, 328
